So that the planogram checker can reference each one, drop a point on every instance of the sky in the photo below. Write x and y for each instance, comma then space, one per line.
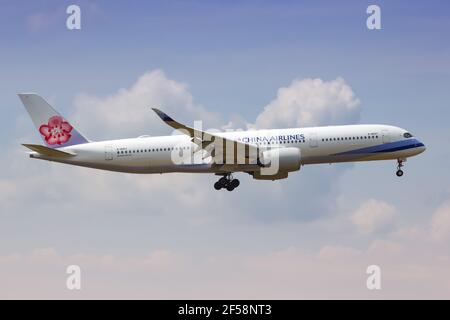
231, 64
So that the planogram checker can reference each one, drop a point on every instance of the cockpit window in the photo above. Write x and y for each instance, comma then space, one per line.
407, 135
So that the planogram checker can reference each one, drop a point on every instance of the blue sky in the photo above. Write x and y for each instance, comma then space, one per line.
237, 51
230, 58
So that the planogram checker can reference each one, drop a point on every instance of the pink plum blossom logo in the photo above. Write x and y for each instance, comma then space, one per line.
57, 131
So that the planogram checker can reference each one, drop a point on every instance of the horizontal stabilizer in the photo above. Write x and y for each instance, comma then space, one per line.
46, 151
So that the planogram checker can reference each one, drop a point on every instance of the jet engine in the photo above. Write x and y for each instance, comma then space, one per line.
277, 163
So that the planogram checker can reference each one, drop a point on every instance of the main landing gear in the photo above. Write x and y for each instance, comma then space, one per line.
227, 182
399, 172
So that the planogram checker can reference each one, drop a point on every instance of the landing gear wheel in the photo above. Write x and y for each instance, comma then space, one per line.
227, 182
399, 172
234, 183
223, 182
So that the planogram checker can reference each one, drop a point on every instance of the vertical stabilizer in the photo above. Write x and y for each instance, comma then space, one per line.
54, 129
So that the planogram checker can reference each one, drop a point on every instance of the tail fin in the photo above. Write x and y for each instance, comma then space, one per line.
53, 128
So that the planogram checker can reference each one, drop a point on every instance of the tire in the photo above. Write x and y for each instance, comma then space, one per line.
223, 181
399, 173
230, 188
234, 183
217, 185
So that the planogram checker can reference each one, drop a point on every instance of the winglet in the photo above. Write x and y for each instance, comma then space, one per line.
203, 138
164, 117
174, 124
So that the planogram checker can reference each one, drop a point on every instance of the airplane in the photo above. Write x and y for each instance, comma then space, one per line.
264, 154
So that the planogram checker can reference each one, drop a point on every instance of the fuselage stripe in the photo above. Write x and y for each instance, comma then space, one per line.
386, 147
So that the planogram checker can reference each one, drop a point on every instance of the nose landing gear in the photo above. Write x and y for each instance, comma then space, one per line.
399, 172
227, 182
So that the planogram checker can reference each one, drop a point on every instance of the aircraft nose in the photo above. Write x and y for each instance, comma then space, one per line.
421, 146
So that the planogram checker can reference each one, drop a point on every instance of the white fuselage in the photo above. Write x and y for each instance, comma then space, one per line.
317, 144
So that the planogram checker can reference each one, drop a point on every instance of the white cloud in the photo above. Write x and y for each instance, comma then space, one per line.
372, 216
59, 202
311, 102
411, 233
128, 112
440, 223
385, 247
337, 252
289, 273
42, 273
434, 230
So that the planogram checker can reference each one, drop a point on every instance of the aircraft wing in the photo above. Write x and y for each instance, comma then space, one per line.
223, 150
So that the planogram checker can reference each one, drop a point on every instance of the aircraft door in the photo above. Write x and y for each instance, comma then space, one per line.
386, 137
313, 140
109, 153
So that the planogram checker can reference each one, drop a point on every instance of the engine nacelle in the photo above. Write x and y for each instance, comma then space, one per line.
276, 163
258, 176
